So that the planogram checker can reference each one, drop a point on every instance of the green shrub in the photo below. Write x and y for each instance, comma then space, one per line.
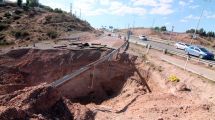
19, 3
18, 11
16, 17
52, 34
46, 8
25, 7
19, 34
57, 10
7, 15
5, 42
3, 26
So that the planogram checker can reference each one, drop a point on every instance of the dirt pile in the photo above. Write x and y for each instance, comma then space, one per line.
18, 25
27, 67
41, 102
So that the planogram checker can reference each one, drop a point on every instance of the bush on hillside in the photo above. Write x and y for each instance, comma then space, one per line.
52, 34
3, 26
19, 34
57, 10
7, 15
16, 17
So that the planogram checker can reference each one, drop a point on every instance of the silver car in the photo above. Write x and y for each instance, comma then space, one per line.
181, 45
142, 37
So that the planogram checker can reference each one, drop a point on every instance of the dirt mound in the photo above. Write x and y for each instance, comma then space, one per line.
41, 102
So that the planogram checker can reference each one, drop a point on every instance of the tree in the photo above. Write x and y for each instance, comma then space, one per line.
157, 28
211, 34
19, 3
163, 28
33, 3
57, 10
201, 32
190, 31
27, 2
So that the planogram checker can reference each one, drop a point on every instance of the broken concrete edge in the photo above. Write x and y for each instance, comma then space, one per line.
187, 69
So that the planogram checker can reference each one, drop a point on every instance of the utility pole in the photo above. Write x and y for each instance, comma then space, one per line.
80, 13
194, 35
70, 8
153, 22
171, 33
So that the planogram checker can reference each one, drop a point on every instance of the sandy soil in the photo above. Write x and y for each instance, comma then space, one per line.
134, 86
186, 99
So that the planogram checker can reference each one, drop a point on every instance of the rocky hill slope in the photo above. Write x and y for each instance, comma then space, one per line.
18, 24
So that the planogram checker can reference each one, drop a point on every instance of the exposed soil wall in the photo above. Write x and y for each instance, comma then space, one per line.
101, 82
27, 67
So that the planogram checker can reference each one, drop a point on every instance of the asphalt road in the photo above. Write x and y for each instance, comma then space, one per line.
158, 45
162, 46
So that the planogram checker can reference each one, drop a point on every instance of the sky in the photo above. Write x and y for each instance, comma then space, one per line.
182, 14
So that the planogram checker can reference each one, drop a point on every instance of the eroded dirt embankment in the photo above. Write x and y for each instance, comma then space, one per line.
28, 67
44, 102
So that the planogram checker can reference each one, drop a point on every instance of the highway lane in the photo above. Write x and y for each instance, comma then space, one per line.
158, 45
162, 46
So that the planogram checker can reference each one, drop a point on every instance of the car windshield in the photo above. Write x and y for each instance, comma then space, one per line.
187, 45
203, 49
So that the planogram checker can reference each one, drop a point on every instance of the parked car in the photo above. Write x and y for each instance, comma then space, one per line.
199, 52
180, 45
142, 37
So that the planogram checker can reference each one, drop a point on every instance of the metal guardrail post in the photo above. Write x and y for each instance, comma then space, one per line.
185, 66
92, 76
164, 51
148, 47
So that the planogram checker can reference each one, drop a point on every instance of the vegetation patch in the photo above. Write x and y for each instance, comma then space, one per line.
52, 34
57, 10
3, 26
19, 34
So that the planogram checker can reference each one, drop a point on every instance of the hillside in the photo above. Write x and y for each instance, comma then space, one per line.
18, 25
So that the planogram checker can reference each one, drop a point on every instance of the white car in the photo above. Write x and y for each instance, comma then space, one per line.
180, 45
142, 37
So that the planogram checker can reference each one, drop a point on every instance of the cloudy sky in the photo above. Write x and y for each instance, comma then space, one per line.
182, 14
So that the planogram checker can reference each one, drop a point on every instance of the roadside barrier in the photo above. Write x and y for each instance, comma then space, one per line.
72, 75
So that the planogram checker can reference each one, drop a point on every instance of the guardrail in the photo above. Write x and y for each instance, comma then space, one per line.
72, 75
209, 63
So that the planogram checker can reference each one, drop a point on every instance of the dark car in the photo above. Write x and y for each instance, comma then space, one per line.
199, 52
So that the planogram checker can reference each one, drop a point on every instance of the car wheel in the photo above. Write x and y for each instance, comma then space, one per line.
187, 52
201, 56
